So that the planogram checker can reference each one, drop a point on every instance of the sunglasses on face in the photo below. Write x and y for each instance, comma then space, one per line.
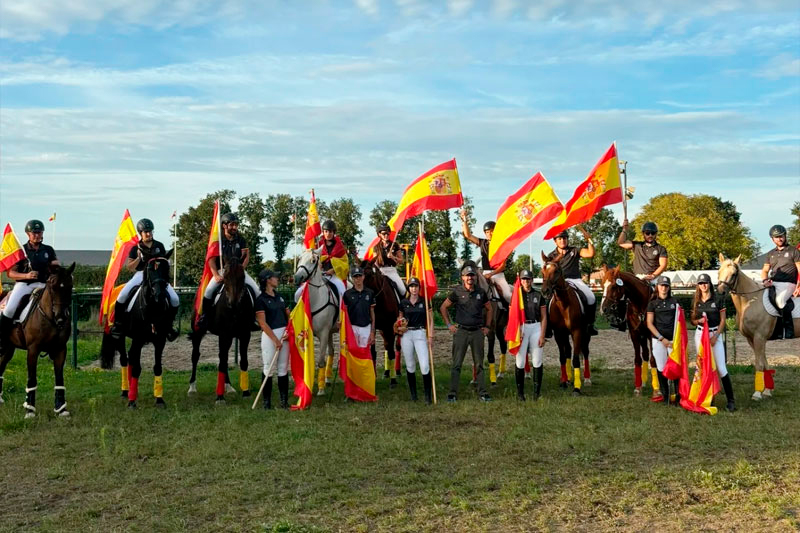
649, 232
703, 283
384, 233
358, 276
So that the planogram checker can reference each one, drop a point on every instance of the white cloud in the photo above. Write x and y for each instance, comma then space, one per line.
459, 7
781, 66
368, 6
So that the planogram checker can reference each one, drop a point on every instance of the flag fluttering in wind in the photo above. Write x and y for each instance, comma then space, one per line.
355, 363
11, 251
532, 206
677, 366
516, 318
174, 214
212, 250
52, 218
338, 257
300, 337
125, 239
422, 268
705, 383
313, 229
601, 188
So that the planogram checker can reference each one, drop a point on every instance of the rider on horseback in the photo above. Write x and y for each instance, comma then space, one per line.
28, 274
148, 248
387, 255
496, 276
569, 258
782, 270
333, 255
649, 257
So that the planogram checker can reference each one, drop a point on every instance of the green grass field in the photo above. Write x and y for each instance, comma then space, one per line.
605, 461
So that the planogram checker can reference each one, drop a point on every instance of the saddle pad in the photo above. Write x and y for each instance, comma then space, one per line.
775, 312
580, 301
218, 294
133, 297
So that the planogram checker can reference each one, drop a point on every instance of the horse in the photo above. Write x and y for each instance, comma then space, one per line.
149, 321
387, 309
565, 318
323, 299
46, 328
624, 304
755, 323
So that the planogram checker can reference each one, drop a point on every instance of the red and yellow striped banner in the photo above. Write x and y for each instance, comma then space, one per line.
11, 251
677, 366
301, 350
125, 239
313, 229
212, 250
516, 318
706, 382
422, 268
355, 363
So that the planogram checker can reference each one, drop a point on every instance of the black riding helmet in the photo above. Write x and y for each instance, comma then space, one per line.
145, 224
649, 226
777, 231
489, 225
34, 226
383, 227
526, 274
413, 281
227, 218
329, 225
563, 234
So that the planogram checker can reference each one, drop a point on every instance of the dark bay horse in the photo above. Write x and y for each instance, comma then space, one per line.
45, 329
149, 321
233, 316
567, 321
386, 311
624, 305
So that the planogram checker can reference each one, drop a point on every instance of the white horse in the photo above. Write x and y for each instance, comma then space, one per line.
324, 302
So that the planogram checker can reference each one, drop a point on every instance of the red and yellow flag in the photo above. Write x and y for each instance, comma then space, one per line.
125, 239
301, 350
601, 188
705, 383
212, 250
338, 257
355, 363
11, 251
532, 206
422, 268
313, 229
516, 318
677, 366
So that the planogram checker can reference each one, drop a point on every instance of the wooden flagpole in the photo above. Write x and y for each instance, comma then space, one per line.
428, 312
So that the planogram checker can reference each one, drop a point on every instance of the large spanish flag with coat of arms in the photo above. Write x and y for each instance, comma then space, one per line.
516, 318
125, 240
355, 363
300, 337
11, 251
213, 249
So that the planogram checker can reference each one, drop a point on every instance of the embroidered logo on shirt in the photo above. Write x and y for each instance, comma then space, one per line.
713, 305
655, 252
45, 255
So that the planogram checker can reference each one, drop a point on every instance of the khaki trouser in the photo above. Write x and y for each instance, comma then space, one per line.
461, 340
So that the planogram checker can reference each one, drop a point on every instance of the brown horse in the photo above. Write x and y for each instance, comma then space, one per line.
386, 312
624, 304
567, 321
46, 328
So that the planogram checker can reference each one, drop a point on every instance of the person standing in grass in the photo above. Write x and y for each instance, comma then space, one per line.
415, 340
273, 317
533, 336
661, 323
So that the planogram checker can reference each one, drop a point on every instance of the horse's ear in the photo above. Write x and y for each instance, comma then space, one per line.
169, 254
71, 268
721, 258
544, 258
738, 258
615, 270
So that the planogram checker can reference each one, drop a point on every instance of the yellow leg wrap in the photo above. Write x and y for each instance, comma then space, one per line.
123, 373
385, 361
321, 380
645, 371
158, 386
654, 379
569, 367
577, 382
759, 381
392, 371
502, 363
244, 380
329, 367
492, 373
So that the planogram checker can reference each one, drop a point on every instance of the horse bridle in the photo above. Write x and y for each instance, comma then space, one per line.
310, 273
53, 318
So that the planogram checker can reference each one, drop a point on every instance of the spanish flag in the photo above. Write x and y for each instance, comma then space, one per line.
11, 251
422, 268
301, 350
313, 229
600, 189
212, 250
52, 218
125, 239
355, 363
532, 206
705, 383
677, 366
338, 257
516, 318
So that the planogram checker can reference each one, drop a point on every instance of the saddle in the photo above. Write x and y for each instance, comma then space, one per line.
27, 303
771, 304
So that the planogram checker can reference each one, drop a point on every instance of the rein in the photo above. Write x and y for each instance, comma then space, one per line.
731, 284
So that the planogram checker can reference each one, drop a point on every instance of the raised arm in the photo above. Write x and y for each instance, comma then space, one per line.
587, 252
465, 229
622, 240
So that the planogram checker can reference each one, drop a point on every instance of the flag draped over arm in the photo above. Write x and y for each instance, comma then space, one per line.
677, 366
300, 337
601, 188
313, 229
422, 268
532, 206
212, 250
125, 239
355, 363
11, 251
705, 383
516, 318
338, 258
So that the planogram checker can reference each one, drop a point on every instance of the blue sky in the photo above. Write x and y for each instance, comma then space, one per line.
150, 105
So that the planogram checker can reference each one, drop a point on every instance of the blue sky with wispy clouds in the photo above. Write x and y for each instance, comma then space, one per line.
149, 105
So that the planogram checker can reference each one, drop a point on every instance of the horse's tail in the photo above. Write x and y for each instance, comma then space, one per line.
108, 348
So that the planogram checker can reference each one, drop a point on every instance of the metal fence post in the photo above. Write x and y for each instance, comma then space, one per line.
75, 333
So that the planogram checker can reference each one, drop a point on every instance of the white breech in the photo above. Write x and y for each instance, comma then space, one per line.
581, 286
500, 282
415, 340
17, 293
362, 335
397, 281
339, 284
213, 284
661, 353
268, 352
718, 349
530, 345
652, 281
783, 292
137, 280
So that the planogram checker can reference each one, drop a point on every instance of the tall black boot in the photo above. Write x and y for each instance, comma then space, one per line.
663, 384
202, 321
676, 387
5, 330
728, 387
427, 385
788, 323
412, 385
519, 376
268, 393
172, 333
120, 318
591, 316
538, 373
283, 390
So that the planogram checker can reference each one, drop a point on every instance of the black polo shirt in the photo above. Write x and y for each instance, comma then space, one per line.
232, 248
782, 264
358, 305
39, 262
274, 309
711, 308
532, 302
384, 251
484, 247
645, 257
156, 249
469, 305
570, 261
414, 313
663, 315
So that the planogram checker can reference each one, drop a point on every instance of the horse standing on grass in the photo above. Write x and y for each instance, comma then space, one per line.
387, 309
46, 328
624, 304
567, 321
232, 316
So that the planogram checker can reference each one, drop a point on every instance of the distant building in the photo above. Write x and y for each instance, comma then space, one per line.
84, 257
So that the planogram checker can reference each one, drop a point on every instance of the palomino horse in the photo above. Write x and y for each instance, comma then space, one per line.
232, 316
45, 329
324, 302
754, 322
565, 318
625, 299
387, 310
149, 321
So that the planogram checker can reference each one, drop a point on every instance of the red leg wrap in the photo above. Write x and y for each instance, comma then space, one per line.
587, 374
769, 382
637, 376
133, 393
220, 384
564, 373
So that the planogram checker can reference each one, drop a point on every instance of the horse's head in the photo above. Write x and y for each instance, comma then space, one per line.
59, 283
307, 266
233, 281
156, 277
728, 274
552, 277
615, 303
372, 275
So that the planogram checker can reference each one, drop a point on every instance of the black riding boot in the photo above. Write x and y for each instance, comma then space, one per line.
591, 316
538, 373
788, 323
5, 330
663, 384
427, 385
675, 386
202, 321
172, 333
268, 393
519, 375
412, 385
283, 390
120, 317
728, 387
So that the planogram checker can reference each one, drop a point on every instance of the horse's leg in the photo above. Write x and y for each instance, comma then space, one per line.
244, 377
4, 359
500, 334
225, 342
196, 337
563, 353
124, 371
30, 388
577, 348
388, 344
321, 359
647, 355
638, 368
158, 378
135, 370
60, 403
587, 372
758, 343
329, 360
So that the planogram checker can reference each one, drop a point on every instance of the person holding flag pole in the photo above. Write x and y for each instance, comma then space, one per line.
663, 315
525, 332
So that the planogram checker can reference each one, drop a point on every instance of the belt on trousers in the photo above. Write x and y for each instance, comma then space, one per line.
531, 321
469, 328
715, 328
411, 329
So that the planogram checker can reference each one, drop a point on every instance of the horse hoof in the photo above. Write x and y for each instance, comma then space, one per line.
160, 403
64, 414
637, 391
2, 401
562, 385
757, 396
30, 414
123, 394
385, 374
132, 405
500, 375
229, 389
767, 393
493, 384
393, 384
587, 382
528, 375
321, 392
192, 389
576, 392
245, 393
328, 381
220, 401
473, 382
